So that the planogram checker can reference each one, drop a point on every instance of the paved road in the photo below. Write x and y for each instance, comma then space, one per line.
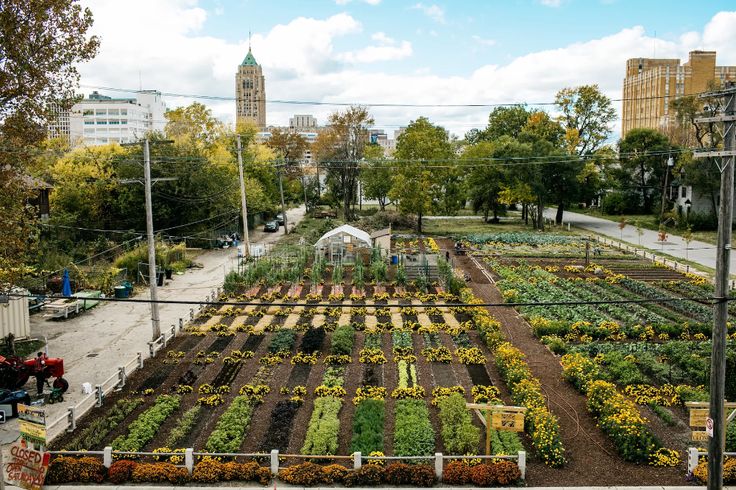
699, 252
95, 343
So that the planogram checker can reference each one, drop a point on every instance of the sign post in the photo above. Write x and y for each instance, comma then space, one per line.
700, 422
499, 417
28, 465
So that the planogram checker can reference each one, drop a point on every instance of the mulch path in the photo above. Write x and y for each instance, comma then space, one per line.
592, 458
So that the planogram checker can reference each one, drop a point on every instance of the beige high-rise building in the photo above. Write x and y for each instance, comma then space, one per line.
652, 83
250, 92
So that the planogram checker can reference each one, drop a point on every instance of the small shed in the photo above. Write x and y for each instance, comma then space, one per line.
382, 240
14, 316
343, 244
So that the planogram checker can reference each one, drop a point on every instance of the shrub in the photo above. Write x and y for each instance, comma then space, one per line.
83, 470
282, 341
482, 475
304, 474
506, 472
369, 475
160, 473
368, 424
208, 471
618, 202
397, 474
458, 432
342, 340
456, 473
729, 471
334, 473
422, 476
121, 471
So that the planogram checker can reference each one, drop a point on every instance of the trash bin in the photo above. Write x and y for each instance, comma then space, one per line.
394, 259
160, 276
169, 273
129, 286
121, 292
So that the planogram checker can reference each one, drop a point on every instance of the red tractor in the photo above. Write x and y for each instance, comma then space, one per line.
15, 371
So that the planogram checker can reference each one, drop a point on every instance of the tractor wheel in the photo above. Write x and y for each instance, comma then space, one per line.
62, 384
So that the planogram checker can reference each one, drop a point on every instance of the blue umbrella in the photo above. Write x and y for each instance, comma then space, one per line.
66, 286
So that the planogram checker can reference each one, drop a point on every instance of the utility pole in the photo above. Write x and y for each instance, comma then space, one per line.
716, 444
152, 276
283, 206
246, 236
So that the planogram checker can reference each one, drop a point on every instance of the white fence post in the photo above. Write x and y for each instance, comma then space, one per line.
274, 462
121, 377
191, 314
189, 459
107, 456
438, 465
357, 460
181, 324
522, 464
98, 389
692, 459
150, 349
140, 360
72, 419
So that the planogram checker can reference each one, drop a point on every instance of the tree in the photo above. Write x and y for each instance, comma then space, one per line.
487, 178
290, 147
194, 125
418, 183
376, 175
644, 163
340, 150
40, 44
586, 115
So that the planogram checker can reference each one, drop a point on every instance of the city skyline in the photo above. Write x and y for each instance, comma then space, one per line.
342, 52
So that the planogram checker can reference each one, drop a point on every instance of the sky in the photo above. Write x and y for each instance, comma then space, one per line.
393, 51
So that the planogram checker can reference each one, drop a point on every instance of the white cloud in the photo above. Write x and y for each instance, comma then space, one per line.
382, 38
483, 41
372, 54
301, 61
551, 3
369, 2
434, 12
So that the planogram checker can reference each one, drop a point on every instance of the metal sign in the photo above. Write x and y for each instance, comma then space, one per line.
32, 424
27, 467
709, 426
31, 414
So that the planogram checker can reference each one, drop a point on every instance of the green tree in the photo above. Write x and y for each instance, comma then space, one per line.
376, 175
418, 183
340, 150
41, 43
487, 178
194, 125
644, 163
586, 116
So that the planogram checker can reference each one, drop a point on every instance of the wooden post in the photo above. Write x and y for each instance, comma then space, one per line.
488, 431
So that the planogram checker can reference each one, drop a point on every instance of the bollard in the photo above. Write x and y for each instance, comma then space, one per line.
274, 462
181, 324
522, 464
150, 349
98, 389
72, 419
107, 457
687, 269
189, 459
140, 360
173, 331
438, 465
163, 339
692, 459
568, 226
357, 460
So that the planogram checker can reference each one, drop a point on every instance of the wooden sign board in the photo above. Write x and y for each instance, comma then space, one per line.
698, 416
699, 435
31, 414
510, 421
33, 432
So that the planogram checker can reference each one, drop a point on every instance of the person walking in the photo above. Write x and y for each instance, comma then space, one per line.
40, 367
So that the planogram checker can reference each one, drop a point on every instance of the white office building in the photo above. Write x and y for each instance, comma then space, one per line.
99, 119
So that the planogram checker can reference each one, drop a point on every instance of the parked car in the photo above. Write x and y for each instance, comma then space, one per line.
13, 398
271, 226
280, 219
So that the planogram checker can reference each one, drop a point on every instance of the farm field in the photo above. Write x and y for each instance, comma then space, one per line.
291, 365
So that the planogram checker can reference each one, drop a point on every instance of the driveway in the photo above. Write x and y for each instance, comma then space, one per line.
96, 342
699, 252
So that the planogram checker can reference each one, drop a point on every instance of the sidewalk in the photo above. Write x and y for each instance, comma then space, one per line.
699, 252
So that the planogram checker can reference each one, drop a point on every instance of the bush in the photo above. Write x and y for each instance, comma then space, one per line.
304, 474
282, 341
121, 471
397, 474
342, 340
82, 470
618, 202
208, 471
422, 476
369, 475
334, 473
498, 473
729, 471
702, 221
160, 473
456, 473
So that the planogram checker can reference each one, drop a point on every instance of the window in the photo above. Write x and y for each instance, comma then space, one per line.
113, 112
88, 112
123, 121
683, 191
123, 112
114, 121
101, 112
87, 123
102, 121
